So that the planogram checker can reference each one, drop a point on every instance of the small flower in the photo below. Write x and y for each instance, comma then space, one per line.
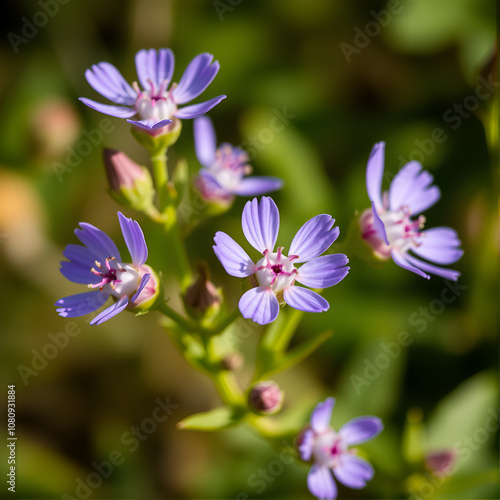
155, 105
98, 264
275, 273
330, 451
441, 463
225, 168
388, 227
265, 397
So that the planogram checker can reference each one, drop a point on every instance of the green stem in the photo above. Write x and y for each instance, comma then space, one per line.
282, 339
186, 324
228, 388
225, 322
160, 173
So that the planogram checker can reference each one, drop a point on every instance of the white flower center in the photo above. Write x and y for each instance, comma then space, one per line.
154, 104
276, 271
400, 229
230, 166
117, 279
327, 448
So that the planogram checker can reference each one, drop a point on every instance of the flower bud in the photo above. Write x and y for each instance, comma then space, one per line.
265, 397
232, 361
441, 463
129, 183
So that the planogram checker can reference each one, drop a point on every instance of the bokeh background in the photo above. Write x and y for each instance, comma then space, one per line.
351, 75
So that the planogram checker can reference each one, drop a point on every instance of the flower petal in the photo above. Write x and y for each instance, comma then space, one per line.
134, 238
304, 299
233, 258
401, 259
375, 173
448, 274
111, 311
360, 429
353, 471
153, 66
321, 483
98, 242
255, 186
261, 223
196, 110
196, 78
314, 238
144, 282
205, 141
324, 271
379, 226
150, 124
109, 82
108, 109
306, 448
322, 414
81, 261
439, 245
260, 305
81, 304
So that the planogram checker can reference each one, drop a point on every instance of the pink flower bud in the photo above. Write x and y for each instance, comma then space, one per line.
265, 397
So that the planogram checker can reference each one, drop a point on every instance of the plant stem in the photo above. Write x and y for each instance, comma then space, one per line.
186, 324
225, 322
228, 388
284, 335
160, 173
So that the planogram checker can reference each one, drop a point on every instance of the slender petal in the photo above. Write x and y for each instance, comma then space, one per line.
81, 304
322, 414
205, 141
321, 484
401, 259
108, 109
255, 186
261, 223
149, 125
306, 448
448, 274
375, 173
260, 305
134, 238
353, 471
378, 226
304, 299
109, 82
111, 311
314, 238
144, 282
439, 245
361, 429
81, 262
153, 66
324, 271
196, 78
234, 259
98, 242
196, 110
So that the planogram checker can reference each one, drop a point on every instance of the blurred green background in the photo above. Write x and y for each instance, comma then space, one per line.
351, 74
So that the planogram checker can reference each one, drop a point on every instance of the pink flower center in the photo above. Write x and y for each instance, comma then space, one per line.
276, 271
117, 281
155, 104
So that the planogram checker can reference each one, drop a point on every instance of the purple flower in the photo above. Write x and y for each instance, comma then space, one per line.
388, 227
274, 272
98, 264
330, 451
225, 168
155, 105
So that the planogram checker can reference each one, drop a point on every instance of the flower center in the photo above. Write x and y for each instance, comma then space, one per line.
230, 165
154, 104
117, 279
327, 448
276, 271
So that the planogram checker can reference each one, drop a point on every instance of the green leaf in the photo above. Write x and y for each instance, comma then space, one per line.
213, 420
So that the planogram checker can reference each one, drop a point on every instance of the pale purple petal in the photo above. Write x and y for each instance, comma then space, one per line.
260, 305
304, 299
209, 187
150, 124
197, 110
111, 311
360, 429
448, 274
205, 142
255, 186
234, 259
108, 109
322, 414
109, 82
82, 260
196, 78
81, 304
98, 242
379, 226
321, 483
153, 66
439, 245
353, 471
134, 238
314, 238
261, 223
401, 259
375, 173
324, 271
306, 448
144, 282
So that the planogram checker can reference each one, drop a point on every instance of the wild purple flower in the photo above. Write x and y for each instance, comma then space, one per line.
330, 451
98, 264
155, 105
275, 273
388, 227
225, 168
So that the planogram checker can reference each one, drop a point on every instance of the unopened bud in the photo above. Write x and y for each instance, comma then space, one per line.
265, 397
232, 361
441, 462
